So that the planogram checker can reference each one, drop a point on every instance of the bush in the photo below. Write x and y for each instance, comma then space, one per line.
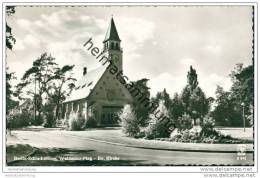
207, 128
76, 122
49, 120
175, 135
158, 128
18, 120
184, 122
38, 120
48, 115
129, 121
91, 122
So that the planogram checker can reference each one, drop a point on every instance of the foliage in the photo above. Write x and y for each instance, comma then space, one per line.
176, 109
194, 100
142, 112
46, 81
157, 128
208, 127
184, 122
226, 112
91, 122
76, 122
10, 40
192, 79
204, 134
129, 122
37, 79
61, 86
48, 115
10, 103
242, 90
18, 120
163, 96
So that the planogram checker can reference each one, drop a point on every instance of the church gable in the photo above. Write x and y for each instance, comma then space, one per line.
109, 88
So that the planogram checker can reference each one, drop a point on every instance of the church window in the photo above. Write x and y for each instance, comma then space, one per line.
100, 88
90, 83
83, 86
104, 82
117, 46
112, 45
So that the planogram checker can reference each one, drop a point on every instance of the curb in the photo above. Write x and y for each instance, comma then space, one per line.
162, 149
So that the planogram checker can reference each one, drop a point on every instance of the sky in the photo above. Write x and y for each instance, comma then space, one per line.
159, 43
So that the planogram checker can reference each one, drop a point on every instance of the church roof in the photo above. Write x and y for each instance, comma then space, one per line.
112, 32
86, 84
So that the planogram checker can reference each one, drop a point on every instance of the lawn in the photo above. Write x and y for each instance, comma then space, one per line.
237, 132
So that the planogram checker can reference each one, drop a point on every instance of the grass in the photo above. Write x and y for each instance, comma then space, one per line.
237, 132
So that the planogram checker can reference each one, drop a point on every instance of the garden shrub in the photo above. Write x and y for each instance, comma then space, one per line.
207, 128
18, 120
184, 122
48, 115
91, 122
185, 136
76, 122
49, 120
175, 135
158, 128
129, 121
38, 120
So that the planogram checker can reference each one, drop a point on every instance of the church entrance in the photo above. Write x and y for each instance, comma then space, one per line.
110, 115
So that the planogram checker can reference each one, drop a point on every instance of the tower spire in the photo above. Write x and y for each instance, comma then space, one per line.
111, 32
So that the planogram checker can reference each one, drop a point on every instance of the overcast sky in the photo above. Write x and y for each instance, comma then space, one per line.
159, 43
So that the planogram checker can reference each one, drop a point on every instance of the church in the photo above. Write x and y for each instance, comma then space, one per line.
98, 94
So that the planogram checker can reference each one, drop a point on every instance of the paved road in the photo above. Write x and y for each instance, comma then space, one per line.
135, 156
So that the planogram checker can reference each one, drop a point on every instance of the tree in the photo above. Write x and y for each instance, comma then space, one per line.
163, 96
61, 87
176, 109
10, 40
10, 103
199, 105
225, 113
194, 100
242, 90
228, 111
192, 78
37, 82
142, 112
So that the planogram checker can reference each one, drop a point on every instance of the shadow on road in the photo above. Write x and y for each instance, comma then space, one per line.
56, 156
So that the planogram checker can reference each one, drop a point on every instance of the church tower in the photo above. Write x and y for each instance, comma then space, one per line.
112, 45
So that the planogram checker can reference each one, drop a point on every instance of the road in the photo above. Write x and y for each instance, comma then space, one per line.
128, 155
